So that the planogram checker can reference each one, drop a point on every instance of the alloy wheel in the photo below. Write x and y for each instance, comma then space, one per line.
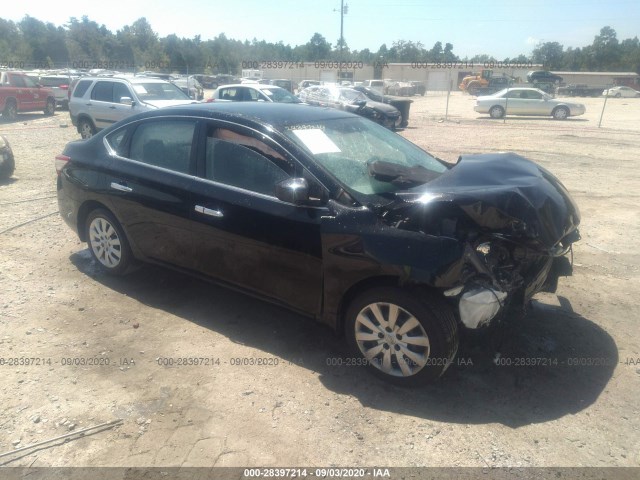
105, 242
392, 339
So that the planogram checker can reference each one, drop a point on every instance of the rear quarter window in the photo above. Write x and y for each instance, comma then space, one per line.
81, 88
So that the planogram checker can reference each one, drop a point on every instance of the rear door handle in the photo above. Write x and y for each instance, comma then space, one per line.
122, 188
208, 211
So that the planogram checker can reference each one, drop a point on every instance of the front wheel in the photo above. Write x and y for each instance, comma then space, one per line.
50, 108
407, 337
107, 242
561, 113
496, 112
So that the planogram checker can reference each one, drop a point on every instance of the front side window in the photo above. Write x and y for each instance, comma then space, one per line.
165, 144
244, 161
119, 91
29, 83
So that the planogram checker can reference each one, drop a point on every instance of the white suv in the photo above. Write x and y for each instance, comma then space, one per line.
97, 102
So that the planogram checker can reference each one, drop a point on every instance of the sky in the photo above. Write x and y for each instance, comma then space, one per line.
495, 27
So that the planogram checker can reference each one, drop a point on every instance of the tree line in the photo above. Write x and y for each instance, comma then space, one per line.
83, 43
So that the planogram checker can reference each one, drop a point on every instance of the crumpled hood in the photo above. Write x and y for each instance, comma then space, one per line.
505, 193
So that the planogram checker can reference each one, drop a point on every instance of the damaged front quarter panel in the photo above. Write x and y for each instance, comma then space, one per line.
489, 233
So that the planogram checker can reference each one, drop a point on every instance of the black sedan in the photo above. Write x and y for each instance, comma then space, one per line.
351, 100
402, 104
329, 214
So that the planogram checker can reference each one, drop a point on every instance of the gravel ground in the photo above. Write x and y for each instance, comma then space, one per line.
578, 407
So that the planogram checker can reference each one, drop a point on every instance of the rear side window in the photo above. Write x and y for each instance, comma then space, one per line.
102, 92
165, 144
81, 88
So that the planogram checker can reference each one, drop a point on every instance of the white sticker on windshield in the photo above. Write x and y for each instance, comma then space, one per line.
317, 141
139, 89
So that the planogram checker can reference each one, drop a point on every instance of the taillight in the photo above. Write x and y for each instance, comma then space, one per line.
61, 161
209, 100
64, 87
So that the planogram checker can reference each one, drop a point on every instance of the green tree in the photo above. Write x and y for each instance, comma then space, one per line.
549, 54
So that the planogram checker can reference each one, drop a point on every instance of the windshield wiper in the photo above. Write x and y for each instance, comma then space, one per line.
400, 175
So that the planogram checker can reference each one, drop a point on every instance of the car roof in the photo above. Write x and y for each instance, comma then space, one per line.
257, 86
130, 79
266, 113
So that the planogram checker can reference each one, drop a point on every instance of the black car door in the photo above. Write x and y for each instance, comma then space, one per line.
147, 187
243, 234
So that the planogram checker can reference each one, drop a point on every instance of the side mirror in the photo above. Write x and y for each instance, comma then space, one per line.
293, 190
126, 101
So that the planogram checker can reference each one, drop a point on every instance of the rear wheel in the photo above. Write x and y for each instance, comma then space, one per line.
405, 337
561, 113
10, 112
496, 111
473, 87
107, 242
51, 107
86, 128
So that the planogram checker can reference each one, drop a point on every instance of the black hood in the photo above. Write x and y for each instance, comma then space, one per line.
382, 107
507, 194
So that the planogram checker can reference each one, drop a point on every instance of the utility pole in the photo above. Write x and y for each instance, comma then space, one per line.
344, 9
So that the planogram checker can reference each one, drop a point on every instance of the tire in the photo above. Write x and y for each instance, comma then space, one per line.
560, 113
472, 88
86, 128
419, 316
107, 242
496, 111
51, 107
7, 166
10, 112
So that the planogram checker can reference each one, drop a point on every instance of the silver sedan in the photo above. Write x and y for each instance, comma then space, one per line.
526, 101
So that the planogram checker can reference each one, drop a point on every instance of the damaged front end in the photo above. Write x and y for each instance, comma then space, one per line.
514, 224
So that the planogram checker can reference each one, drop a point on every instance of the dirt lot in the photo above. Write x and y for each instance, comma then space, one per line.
581, 409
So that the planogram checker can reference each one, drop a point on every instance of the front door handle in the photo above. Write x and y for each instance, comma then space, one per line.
122, 188
208, 211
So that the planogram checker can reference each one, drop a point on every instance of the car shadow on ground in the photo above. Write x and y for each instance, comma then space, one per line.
22, 118
7, 181
555, 363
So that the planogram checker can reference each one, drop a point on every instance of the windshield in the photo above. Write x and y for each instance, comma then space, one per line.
364, 156
280, 95
159, 91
